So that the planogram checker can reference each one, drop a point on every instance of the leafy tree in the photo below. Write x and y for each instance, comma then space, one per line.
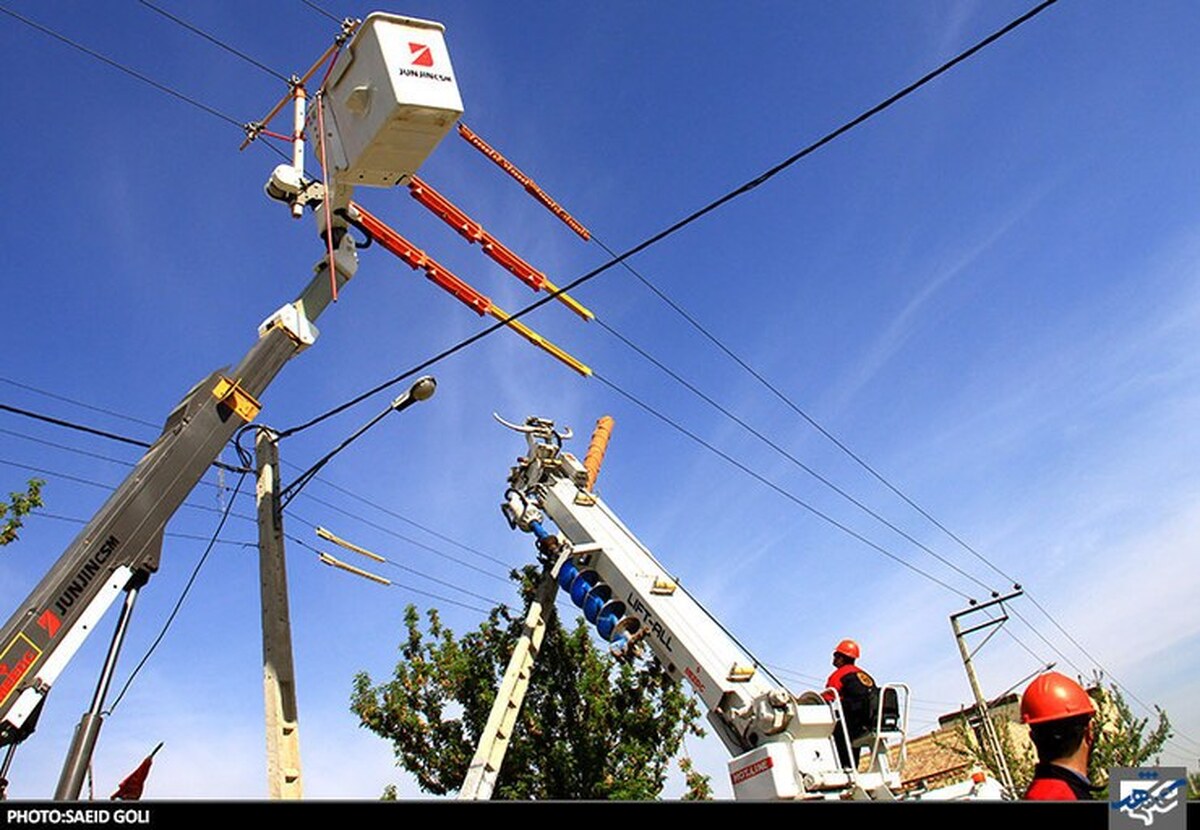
699, 787
1121, 738
1019, 756
12, 512
590, 727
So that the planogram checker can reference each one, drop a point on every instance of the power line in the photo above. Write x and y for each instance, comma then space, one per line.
112, 436
123, 68
401, 536
182, 596
791, 497
215, 41
687, 220
79, 403
317, 8
124, 439
401, 517
171, 535
402, 567
790, 457
421, 545
161, 87
245, 517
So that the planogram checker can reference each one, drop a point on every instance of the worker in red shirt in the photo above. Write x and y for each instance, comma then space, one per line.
1060, 717
858, 695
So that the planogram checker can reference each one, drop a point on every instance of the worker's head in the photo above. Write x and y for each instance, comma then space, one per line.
845, 653
1059, 713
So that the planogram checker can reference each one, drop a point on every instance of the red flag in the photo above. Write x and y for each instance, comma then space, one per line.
131, 788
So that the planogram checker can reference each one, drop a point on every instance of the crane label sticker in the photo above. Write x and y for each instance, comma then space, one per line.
1147, 797
758, 767
15, 663
422, 56
50, 621
84, 575
635, 604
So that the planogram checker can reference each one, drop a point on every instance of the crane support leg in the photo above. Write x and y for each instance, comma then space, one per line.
485, 766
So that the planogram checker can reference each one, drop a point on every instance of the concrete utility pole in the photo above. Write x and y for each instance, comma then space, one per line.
279, 674
991, 740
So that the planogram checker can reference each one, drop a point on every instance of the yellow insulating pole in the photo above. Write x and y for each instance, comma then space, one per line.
596, 449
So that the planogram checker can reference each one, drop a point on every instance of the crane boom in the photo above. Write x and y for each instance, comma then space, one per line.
782, 746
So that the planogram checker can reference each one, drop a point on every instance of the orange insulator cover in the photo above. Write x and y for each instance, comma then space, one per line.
596, 450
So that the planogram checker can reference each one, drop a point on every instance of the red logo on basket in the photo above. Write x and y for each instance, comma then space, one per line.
421, 54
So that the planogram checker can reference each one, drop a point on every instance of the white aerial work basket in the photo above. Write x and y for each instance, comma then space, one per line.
389, 99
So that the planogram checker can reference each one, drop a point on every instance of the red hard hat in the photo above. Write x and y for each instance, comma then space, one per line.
848, 648
1052, 696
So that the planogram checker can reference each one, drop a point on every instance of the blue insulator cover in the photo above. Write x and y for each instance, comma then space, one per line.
567, 574
595, 601
581, 586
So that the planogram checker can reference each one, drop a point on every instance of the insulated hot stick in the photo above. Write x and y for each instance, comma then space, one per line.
472, 231
415, 258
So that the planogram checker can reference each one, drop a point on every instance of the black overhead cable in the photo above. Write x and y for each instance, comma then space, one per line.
79, 403
421, 545
127, 440
138, 75
687, 220
123, 68
215, 41
112, 436
170, 535
317, 8
403, 567
401, 536
402, 518
182, 596
790, 457
98, 432
786, 494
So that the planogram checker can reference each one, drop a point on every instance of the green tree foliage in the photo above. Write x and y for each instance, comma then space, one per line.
13, 511
1122, 740
591, 727
699, 787
1020, 758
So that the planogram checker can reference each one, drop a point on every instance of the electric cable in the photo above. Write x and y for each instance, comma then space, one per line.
401, 517
402, 567
169, 534
786, 494
215, 41
146, 79
74, 402
179, 602
112, 436
124, 439
790, 457
317, 8
123, 68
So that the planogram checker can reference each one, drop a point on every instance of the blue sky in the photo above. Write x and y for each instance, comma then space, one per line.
988, 292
